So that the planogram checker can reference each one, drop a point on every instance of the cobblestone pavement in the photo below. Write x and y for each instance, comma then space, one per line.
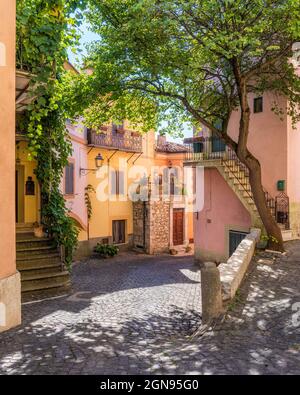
135, 314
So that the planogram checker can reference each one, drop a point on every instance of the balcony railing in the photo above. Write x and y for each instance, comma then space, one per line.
204, 148
125, 141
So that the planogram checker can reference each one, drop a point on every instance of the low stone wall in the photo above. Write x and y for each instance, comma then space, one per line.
219, 284
232, 272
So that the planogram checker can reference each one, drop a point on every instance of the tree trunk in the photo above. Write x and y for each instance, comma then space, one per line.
275, 241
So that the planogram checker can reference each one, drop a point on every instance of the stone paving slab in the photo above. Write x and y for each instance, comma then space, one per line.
135, 314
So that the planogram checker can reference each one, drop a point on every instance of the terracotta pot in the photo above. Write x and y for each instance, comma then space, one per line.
39, 231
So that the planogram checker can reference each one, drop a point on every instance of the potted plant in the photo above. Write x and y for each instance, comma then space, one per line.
263, 242
38, 230
106, 250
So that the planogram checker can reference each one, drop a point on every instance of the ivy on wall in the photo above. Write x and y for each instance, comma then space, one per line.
45, 29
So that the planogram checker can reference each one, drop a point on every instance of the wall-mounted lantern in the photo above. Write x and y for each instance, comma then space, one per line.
98, 164
99, 161
29, 187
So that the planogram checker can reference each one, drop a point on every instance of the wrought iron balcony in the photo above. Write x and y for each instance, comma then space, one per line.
205, 148
123, 141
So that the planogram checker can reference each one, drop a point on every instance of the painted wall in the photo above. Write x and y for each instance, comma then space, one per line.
293, 184
76, 203
119, 207
7, 138
222, 211
10, 288
293, 179
267, 140
270, 141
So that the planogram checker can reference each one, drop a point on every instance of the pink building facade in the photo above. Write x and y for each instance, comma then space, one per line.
229, 211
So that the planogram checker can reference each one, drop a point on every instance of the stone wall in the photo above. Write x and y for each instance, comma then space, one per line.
159, 228
151, 226
138, 224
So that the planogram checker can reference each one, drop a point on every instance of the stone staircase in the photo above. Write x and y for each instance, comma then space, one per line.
236, 176
39, 263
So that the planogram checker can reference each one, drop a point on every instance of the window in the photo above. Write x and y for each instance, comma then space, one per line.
174, 182
118, 228
69, 179
235, 237
258, 104
218, 144
117, 182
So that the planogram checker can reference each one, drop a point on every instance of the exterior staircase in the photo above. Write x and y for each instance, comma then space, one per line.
39, 263
236, 176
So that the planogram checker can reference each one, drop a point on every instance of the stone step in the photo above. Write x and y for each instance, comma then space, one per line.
43, 294
37, 274
24, 235
247, 194
38, 262
51, 280
40, 250
250, 201
24, 228
287, 234
30, 242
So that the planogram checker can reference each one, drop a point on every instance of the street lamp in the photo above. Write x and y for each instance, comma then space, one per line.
98, 163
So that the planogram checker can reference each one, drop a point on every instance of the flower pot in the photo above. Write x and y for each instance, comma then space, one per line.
39, 231
262, 244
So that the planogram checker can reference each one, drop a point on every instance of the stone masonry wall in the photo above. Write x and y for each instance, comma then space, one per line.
159, 219
157, 226
138, 227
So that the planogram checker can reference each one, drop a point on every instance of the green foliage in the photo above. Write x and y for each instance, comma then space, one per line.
177, 59
45, 29
87, 198
106, 250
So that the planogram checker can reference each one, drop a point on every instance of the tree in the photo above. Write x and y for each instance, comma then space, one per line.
193, 60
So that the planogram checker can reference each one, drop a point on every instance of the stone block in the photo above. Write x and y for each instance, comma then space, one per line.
211, 292
10, 302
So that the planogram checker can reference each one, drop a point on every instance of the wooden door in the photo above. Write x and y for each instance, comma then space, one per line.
119, 232
178, 223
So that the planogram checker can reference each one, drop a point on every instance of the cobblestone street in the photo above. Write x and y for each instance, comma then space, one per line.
134, 315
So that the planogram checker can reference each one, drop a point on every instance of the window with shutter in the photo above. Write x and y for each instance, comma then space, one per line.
117, 182
69, 179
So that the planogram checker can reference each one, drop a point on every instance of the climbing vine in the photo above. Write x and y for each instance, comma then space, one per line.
45, 30
88, 202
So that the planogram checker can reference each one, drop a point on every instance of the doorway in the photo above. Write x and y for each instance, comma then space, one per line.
118, 231
178, 223
19, 202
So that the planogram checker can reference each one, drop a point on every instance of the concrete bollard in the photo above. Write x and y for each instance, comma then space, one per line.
211, 292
